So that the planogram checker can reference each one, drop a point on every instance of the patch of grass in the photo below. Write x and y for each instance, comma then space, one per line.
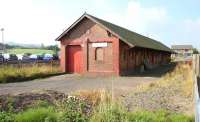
116, 113
173, 92
180, 77
109, 113
94, 97
37, 115
32, 51
6, 117
158, 116
15, 74
74, 109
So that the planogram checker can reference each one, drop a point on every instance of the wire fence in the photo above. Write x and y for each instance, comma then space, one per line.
196, 73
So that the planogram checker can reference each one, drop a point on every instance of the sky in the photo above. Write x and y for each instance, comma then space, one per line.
41, 21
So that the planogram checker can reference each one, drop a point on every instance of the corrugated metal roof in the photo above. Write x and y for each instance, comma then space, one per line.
129, 37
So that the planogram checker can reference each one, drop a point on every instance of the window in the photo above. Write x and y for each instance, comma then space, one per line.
99, 54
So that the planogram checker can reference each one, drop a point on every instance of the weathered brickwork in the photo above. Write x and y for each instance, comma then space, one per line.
118, 57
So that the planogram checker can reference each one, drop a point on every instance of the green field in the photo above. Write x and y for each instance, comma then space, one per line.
32, 51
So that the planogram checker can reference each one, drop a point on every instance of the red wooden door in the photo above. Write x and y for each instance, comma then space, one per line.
74, 59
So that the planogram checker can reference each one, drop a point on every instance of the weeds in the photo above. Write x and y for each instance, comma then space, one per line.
37, 115
73, 109
180, 77
94, 97
15, 74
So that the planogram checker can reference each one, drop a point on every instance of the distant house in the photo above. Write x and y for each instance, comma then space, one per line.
93, 45
182, 52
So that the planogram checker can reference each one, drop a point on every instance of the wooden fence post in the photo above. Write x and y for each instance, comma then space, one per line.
197, 65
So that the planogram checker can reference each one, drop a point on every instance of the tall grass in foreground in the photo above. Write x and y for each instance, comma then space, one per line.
37, 115
75, 110
16, 74
107, 110
116, 113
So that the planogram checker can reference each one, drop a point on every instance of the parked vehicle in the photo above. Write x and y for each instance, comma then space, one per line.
48, 57
40, 57
1, 58
6, 56
55, 57
33, 57
19, 56
25, 58
12, 57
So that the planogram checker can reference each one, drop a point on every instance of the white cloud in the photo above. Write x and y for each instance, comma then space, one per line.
26, 22
138, 18
36, 21
156, 22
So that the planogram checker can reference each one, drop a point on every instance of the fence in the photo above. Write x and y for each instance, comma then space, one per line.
29, 63
196, 76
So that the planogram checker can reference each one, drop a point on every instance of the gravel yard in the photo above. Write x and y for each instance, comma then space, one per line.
72, 82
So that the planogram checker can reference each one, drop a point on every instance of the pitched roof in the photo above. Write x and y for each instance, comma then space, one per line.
182, 47
129, 37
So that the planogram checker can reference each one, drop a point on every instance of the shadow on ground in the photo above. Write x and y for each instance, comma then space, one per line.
156, 72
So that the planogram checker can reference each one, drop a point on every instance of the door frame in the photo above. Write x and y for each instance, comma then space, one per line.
66, 59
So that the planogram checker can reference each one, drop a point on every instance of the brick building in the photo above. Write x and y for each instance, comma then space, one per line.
93, 45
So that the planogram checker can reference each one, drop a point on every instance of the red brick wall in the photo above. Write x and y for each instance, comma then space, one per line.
106, 64
84, 34
118, 57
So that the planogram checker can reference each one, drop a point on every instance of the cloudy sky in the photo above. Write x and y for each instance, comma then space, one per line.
41, 21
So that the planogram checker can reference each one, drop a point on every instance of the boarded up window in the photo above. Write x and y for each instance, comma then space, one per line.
99, 54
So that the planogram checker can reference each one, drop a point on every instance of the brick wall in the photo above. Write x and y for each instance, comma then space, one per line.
86, 33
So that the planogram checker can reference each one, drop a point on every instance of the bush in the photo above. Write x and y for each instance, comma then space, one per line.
37, 115
6, 117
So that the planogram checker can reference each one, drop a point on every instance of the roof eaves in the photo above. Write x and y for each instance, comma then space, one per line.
66, 31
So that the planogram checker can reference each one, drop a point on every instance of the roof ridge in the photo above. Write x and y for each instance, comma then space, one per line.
128, 36
122, 27
135, 34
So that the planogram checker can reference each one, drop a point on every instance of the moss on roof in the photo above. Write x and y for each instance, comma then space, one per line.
132, 37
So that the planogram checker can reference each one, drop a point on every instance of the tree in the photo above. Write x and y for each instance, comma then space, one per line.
195, 51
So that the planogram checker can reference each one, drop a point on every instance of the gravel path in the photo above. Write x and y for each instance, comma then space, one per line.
69, 83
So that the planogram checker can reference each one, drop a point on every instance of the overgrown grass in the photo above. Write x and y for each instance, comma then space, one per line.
180, 77
37, 115
75, 110
102, 108
116, 113
15, 74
